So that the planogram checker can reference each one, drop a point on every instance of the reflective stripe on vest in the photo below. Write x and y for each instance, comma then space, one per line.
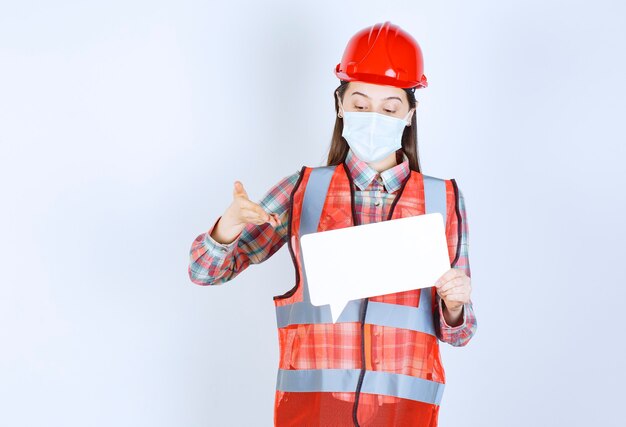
345, 380
384, 314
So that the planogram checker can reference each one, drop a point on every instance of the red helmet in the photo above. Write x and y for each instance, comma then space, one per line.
383, 54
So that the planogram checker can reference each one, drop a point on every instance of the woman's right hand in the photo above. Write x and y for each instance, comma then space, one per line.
241, 211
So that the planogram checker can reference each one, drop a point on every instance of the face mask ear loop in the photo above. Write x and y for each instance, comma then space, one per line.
407, 115
339, 106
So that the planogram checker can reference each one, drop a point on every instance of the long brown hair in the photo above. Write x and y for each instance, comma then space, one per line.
339, 147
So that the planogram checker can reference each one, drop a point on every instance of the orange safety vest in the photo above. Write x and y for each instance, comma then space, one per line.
379, 364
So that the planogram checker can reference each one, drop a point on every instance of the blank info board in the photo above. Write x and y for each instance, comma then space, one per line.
374, 259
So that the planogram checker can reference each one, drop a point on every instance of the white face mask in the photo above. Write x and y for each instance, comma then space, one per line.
373, 136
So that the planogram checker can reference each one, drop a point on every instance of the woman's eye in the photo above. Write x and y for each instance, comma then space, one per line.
364, 108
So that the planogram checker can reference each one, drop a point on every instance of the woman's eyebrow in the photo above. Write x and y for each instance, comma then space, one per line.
362, 94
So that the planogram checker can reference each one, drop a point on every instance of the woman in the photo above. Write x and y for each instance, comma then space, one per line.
379, 364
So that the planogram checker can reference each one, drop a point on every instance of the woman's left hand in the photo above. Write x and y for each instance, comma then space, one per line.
454, 287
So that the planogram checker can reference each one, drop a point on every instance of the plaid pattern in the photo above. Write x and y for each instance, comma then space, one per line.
386, 349
213, 263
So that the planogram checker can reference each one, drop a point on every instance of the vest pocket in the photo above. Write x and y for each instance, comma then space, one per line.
300, 333
287, 336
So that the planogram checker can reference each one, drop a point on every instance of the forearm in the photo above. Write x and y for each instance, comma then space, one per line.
452, 317
224, 251
212, 261
224, 231
460, 330
456, 327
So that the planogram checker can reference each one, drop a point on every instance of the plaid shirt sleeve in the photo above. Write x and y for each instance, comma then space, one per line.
214, 263
460, 335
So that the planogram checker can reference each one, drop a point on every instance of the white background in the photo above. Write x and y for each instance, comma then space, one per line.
124, 124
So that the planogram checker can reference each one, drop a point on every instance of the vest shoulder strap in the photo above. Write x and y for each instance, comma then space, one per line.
314, 198
435, 195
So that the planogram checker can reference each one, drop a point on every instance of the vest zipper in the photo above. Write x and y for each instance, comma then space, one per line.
366, 300
363, 307
363, 367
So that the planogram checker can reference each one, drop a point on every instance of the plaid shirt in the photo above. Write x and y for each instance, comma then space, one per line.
214, 263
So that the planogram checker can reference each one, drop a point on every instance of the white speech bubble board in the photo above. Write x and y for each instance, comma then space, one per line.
374, 259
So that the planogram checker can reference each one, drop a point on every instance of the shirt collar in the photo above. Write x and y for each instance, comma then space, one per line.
363, 174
